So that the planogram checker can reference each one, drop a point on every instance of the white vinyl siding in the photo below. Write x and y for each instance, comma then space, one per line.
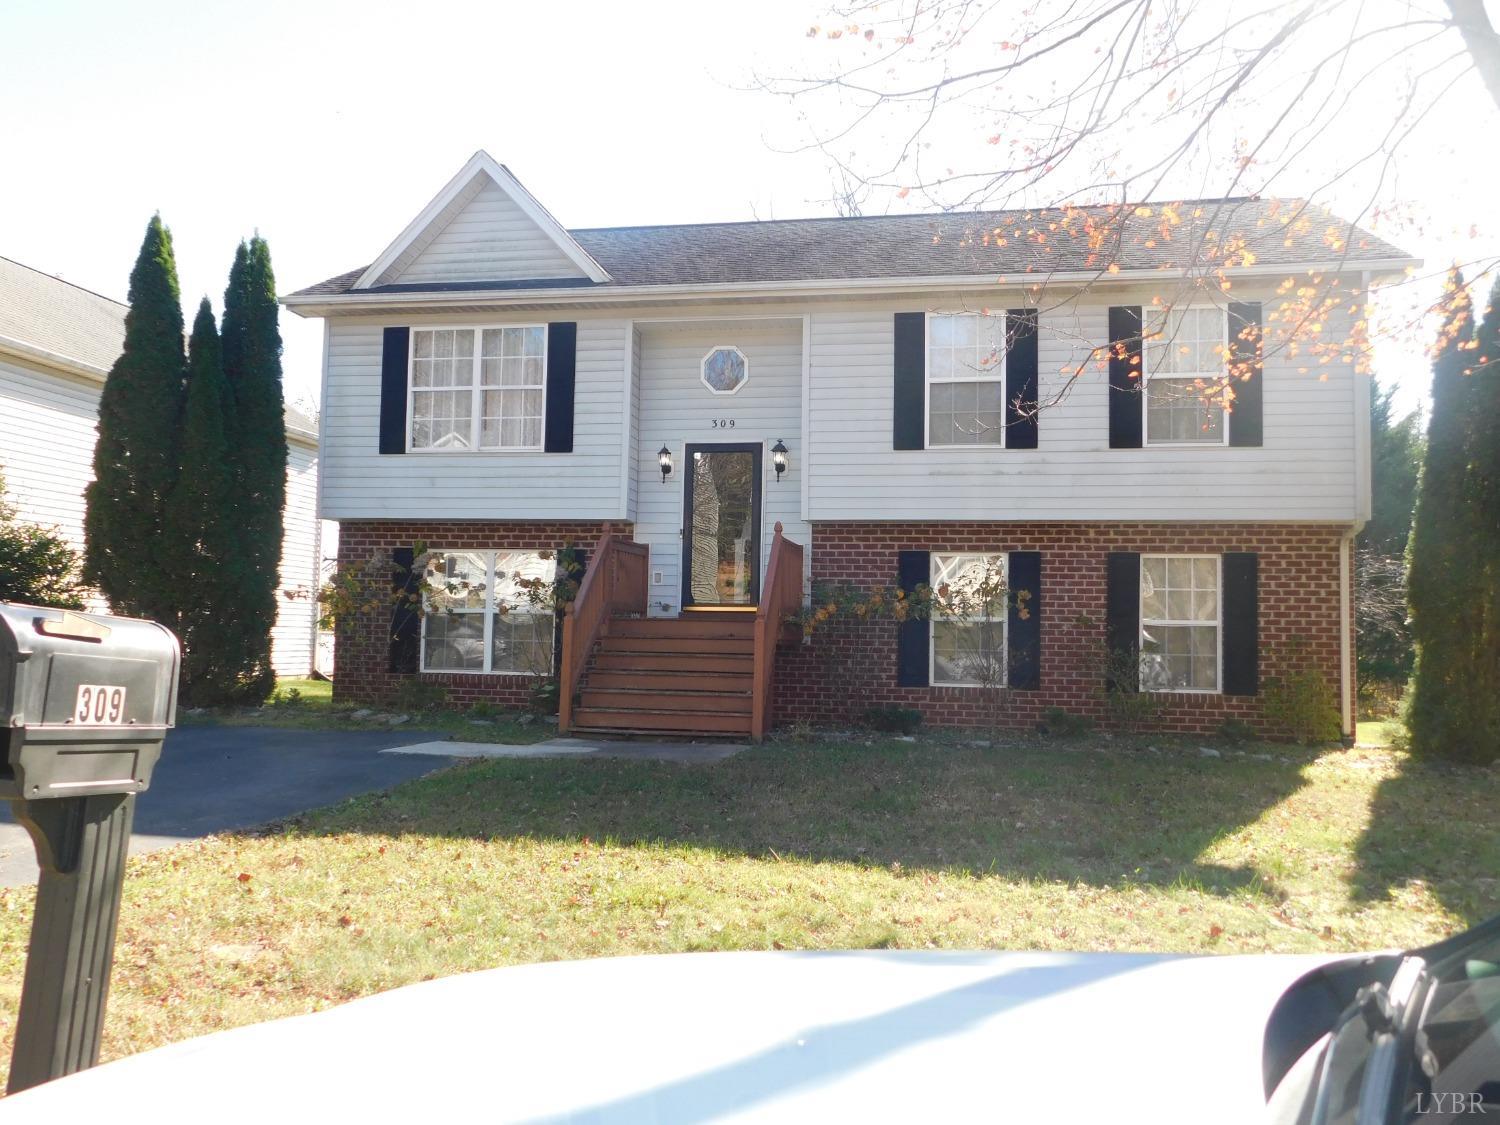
47, 431
968, 621
1184, 362
1181, 618
294, 635
483, 235
676, 410
360, 483
965, 379
1306, 469
488, 611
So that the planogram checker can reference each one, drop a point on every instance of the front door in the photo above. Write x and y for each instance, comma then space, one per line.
721, 526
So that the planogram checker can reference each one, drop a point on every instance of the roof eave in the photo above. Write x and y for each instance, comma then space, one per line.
66, 364
321, 304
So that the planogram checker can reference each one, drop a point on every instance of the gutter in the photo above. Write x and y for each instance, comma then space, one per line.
64, 363
321, 304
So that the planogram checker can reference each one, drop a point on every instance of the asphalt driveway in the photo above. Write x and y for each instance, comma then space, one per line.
215, 778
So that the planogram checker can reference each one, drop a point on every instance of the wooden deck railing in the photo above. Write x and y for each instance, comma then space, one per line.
780, 599
615, 582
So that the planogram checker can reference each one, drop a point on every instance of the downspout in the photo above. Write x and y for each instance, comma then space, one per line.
1346, 641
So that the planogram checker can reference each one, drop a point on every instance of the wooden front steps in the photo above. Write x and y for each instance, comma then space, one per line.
680, 676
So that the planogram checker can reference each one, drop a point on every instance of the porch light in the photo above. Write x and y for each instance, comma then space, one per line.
664, 459
778, 458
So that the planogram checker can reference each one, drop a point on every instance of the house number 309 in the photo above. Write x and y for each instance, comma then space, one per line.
722, 424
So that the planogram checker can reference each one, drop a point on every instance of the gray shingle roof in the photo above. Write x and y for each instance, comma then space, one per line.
1003, 243
56, 316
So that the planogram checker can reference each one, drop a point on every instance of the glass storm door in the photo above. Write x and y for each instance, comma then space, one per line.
721, 526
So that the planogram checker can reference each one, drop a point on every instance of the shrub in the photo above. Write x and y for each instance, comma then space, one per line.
37, 566
891, 718
415, 695
287, 697
1298, 699
1064, 724
543, 697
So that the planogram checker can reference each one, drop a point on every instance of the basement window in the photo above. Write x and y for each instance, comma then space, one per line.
489, 612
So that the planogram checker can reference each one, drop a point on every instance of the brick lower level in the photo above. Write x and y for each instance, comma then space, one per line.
849, 668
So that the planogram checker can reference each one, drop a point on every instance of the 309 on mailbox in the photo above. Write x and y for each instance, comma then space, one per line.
99, 705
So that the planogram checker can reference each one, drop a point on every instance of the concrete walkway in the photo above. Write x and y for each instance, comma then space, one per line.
684, 753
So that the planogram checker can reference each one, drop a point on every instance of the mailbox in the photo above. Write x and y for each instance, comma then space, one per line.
86, 701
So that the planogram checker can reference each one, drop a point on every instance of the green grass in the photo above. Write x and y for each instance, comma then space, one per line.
307, 704
818, 845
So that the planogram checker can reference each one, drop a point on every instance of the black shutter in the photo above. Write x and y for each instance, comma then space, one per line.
1024, 633
562, 359
406, 620
1125, 377
913, 636
909, 430
1020, 379
1245, 426
1122, 621
1241, 641
393, 369
570, 571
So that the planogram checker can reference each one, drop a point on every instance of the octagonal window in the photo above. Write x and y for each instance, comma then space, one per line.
725, 370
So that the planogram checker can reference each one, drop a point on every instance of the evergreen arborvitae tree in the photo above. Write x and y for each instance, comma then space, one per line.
1445, 714
1484, 462
257, 457
135, 460
201, 524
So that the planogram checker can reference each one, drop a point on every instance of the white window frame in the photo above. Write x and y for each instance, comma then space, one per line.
490, 586
476, 390
1218, 624
1206, 376
703, 373
1004, 619
927, 380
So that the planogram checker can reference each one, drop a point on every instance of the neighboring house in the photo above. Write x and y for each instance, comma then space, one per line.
57, 344
497, 387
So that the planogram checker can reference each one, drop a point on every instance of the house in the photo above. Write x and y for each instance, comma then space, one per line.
57, 344
751, 410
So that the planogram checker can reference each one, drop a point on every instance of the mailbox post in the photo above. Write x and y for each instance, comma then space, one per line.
85, 703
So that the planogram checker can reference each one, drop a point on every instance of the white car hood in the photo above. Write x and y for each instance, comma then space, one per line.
855, 1036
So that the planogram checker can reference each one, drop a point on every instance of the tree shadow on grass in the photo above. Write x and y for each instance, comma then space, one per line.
1439, 825
1032, 811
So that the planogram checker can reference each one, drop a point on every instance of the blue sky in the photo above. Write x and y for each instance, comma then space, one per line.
326, 125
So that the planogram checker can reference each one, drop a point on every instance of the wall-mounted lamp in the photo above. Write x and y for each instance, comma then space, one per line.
664, 459
778, 458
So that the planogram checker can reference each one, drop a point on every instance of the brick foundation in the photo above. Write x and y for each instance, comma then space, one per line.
1299, 600
363, 645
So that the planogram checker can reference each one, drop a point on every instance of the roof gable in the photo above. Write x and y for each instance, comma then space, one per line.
483, 226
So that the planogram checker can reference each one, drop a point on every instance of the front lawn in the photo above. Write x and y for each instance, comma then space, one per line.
938, 843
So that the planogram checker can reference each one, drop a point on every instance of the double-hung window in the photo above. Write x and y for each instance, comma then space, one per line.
488, 611
1181, 620
1185, 363
478, 388
965, 379
969, 611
